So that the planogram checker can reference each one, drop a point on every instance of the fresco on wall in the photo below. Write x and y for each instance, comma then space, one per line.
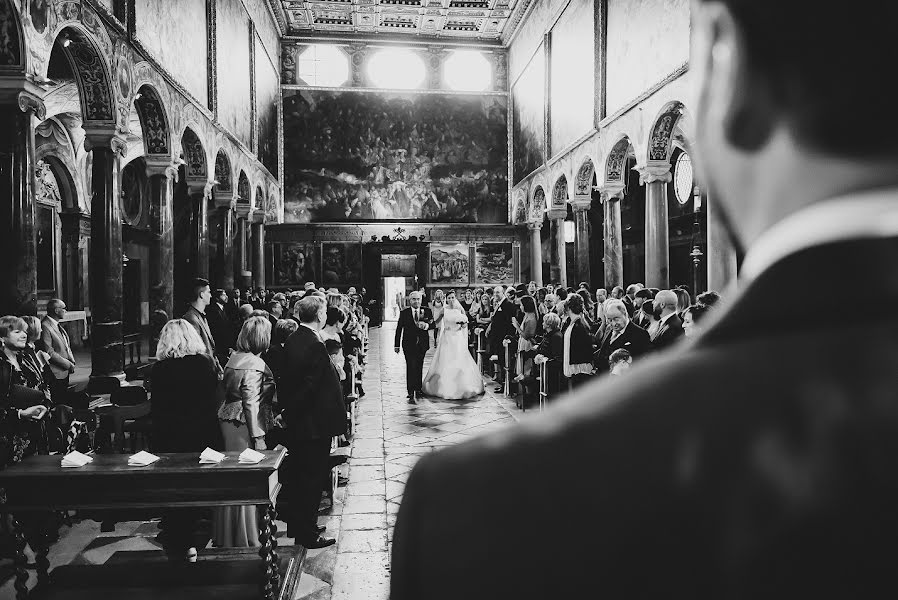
364, 156
44, 226
294, 264
449, 263
233, 60
10, 52
341, 263
572, 76
494, 264
267, 95
175, 35
528, 121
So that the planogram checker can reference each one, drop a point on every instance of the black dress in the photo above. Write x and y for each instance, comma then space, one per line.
184, 405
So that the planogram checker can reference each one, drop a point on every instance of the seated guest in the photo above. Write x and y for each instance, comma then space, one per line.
40, 360
623, 333
244, 418
619, 361
184, 416
691, 318
670, 327
23, 395
275, 356
578, 350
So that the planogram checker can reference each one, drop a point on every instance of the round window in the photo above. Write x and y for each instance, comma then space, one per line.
683, 178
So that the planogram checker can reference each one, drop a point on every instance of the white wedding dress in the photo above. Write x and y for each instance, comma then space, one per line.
453, 374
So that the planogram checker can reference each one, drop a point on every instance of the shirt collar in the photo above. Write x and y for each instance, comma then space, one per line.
665, 319
871, 214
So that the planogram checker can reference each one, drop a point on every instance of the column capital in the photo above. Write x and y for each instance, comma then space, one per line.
534, 225
257, 217
557, 214
196, 185
31, 102
105, 137
652, 173
224, 199
161, 165
244, 211
611, 192
581, 202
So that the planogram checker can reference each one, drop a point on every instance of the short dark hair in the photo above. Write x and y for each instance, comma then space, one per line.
791, 67
644, 294
198, 284
334, 315
618, 356
574, 303
528, 304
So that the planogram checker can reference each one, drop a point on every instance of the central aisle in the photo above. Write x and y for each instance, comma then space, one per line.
391, 435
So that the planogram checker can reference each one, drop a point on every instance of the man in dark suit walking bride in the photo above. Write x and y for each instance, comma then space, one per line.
413, 338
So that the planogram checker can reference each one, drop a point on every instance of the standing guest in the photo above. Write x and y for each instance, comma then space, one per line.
501, 327
577, 366
314, 412
619, 361
55, 341
640, 317
220, 325
436, 309
629, 299
245, 417
670, 326
332, 336
623, 334
275, 357
551, 351
467, 301
560, 300
526, 329
709, 298
617, 292
691, 318
184, 417
23, 396
653, 292
531, 288
588, 309
683, 300
244, 312
275, 311
196, 316
232, 305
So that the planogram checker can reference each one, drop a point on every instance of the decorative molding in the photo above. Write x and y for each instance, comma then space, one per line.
580, 203
559, 193
654, 173
583, 182
662, 132
212, 56
33, 103
374, 90
617, 158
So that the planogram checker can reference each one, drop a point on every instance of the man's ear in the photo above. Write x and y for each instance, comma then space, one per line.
744, 98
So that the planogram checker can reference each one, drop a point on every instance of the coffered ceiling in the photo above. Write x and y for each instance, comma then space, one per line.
473, 20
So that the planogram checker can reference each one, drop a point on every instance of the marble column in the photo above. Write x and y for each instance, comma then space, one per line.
162, 175
581, 205
226, 247
18, 241
202, 232
720, 254
240, 252
657, 252
105, 256
75, 233
536, 254
258, 233
613, 259
557, 216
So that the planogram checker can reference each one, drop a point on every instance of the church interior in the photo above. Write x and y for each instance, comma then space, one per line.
369, 149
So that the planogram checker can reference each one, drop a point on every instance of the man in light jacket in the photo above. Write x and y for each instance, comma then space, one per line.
56, 343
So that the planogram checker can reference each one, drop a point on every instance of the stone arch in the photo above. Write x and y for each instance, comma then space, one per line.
223, 172
91, 74
560, 193
614, 163
194, 154
12, 53
520, 209
243, 189
58, 151
154, 121
659, 146
583, 183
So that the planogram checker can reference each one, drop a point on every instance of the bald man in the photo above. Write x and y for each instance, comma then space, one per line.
670, 328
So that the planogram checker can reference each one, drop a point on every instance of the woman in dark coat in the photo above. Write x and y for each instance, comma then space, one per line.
184, 410
578, 349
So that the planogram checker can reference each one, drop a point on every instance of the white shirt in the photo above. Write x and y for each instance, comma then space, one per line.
869, 215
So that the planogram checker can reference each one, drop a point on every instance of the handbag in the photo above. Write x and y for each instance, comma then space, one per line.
22, 396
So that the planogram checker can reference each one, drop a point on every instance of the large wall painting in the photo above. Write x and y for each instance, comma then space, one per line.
494, 264
341, 263
45, 227
295, 264
233, 47
449, 264
174, 33
528, 120
572, 79
268, 90
352, 156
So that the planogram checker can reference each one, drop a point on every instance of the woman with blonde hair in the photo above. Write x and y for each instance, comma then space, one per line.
245, 417
184, 416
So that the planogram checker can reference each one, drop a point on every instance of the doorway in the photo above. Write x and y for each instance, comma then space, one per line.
396, 291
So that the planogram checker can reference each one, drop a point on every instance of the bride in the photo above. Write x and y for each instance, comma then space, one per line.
453, 374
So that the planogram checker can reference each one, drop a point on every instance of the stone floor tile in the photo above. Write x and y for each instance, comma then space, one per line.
363, 521
362, 540
366, 473
365, 504
365, 488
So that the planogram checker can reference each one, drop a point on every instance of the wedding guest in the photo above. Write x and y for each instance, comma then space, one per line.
55, 341
639, 316
220, 326
691, 318
275, 355
623, 334
246, 415
39, 359
617, 292
332, 336
551, 351
467, 301
578, 366
683, 300
23, 396
526, 330
531, 288
670, 326
184, 417
619, 361
436, 309
196, 316
709, 298
560, 299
